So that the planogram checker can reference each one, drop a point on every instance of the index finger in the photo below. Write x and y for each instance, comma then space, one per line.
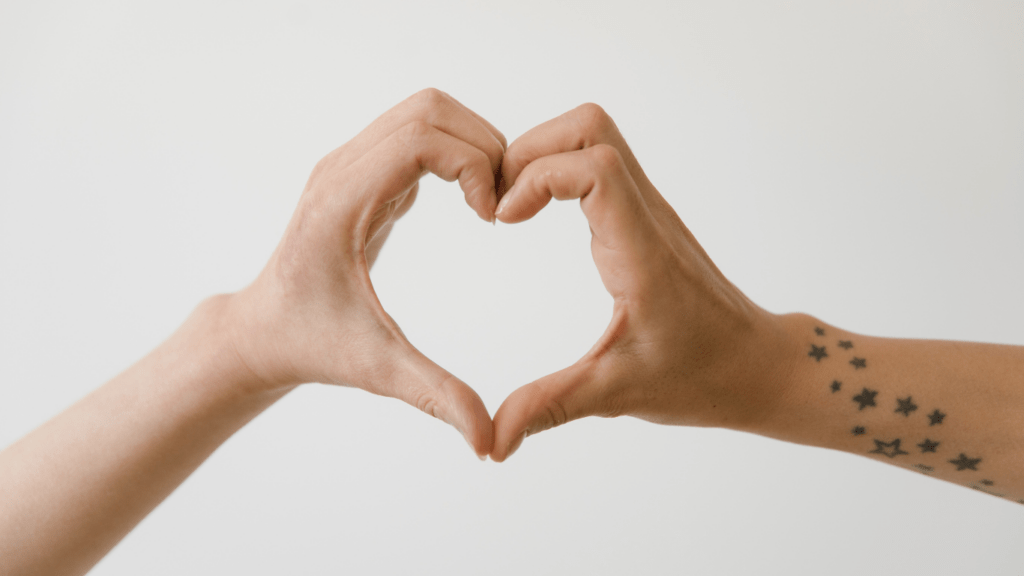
585, 126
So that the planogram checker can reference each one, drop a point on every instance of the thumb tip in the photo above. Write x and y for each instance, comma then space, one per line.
481, 456
510, 448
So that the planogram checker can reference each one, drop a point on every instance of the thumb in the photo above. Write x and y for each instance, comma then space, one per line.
553, 400
418, 381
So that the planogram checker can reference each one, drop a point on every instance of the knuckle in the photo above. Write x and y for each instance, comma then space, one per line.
605, 158
593, 119
324, 165
430, 98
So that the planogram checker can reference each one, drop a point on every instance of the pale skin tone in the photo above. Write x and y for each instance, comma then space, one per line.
684, 346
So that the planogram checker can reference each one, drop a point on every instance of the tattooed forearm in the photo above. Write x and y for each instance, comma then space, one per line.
897, 434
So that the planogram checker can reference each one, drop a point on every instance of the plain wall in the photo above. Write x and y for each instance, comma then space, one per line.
860, 161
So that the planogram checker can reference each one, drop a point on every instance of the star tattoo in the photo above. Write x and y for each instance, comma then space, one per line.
836, 385
859, 363
965, 463
986, 490
817, 352
935, 417
858, 431
819, 331
923, 467
928, 445
845, 344
865, 398
890, 449
905, 406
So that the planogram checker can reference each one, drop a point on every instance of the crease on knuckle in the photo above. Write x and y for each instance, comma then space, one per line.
556, 410
426, 402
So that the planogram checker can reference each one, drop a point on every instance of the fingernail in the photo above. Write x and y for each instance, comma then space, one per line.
482, 457
515, 444
504, 200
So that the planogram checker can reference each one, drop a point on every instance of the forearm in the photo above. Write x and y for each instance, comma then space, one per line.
951, 410
71, 489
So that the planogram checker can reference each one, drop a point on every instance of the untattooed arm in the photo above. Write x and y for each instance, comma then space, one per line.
71, 489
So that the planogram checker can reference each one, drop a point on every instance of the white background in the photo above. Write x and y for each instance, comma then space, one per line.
860, 161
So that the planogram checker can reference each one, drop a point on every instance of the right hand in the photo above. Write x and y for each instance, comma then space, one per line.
312, 314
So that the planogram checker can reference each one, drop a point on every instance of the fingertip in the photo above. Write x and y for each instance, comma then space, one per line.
514, 445
475, 421
482, 199
476, 452
511, 425
503, 203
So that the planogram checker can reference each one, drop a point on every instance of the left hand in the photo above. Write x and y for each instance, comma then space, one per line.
684, 346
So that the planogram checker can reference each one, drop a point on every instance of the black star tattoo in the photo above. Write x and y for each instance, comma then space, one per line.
845, 344
905, 406
836, 385
986, 490
819, 331
935, 417
859, 430
987, 482
890, 449
965, 463
859, 363
928, 445
817, 352
923, 467
865, 398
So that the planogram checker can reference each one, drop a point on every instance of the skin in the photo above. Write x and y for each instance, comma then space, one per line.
684, 346
687, 347
74, 487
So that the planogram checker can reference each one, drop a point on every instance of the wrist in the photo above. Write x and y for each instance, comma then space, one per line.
214, 336
776, 374
796, 384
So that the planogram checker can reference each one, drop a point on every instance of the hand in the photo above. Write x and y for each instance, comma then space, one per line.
312, 314
684, 345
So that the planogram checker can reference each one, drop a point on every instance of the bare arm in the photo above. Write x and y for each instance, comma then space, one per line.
686, 347
70, 490
74, 487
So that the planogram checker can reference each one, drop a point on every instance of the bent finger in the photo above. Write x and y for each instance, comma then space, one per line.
582, 127
439, 110
598, 177
397, 163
